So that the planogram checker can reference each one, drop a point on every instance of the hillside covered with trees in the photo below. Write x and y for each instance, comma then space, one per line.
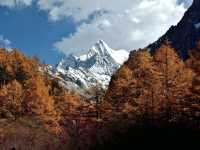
153, 99
33, 106
149, 93
158, 87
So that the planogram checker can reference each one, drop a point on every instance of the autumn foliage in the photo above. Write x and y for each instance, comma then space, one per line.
27, 93
150, 90
158, 87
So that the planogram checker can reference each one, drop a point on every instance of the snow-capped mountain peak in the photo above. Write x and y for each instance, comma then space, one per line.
102, 49
94, 67
117, 55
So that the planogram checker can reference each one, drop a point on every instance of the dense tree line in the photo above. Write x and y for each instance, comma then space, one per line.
28, 91
158, 87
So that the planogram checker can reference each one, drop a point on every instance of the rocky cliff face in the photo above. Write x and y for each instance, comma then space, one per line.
185, 35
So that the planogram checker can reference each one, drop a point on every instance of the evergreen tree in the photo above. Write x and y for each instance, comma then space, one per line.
11, 98
176, 80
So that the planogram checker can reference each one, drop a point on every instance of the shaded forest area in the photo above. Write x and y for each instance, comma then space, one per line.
152, 98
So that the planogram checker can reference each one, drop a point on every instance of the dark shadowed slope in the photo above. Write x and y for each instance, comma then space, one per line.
185, 34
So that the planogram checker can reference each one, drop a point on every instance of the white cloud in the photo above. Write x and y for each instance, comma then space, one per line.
5, 43
127, 24
15, 3
186, 3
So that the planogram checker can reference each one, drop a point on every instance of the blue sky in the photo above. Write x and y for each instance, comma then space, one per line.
31, 31
50, 29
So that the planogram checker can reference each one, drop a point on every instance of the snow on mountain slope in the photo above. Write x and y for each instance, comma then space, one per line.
90, 69
197, 25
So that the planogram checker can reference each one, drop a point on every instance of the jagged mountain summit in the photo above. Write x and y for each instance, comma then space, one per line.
185, 34
94, 68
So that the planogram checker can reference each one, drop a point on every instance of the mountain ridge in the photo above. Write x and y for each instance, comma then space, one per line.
185, 34
93, 68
